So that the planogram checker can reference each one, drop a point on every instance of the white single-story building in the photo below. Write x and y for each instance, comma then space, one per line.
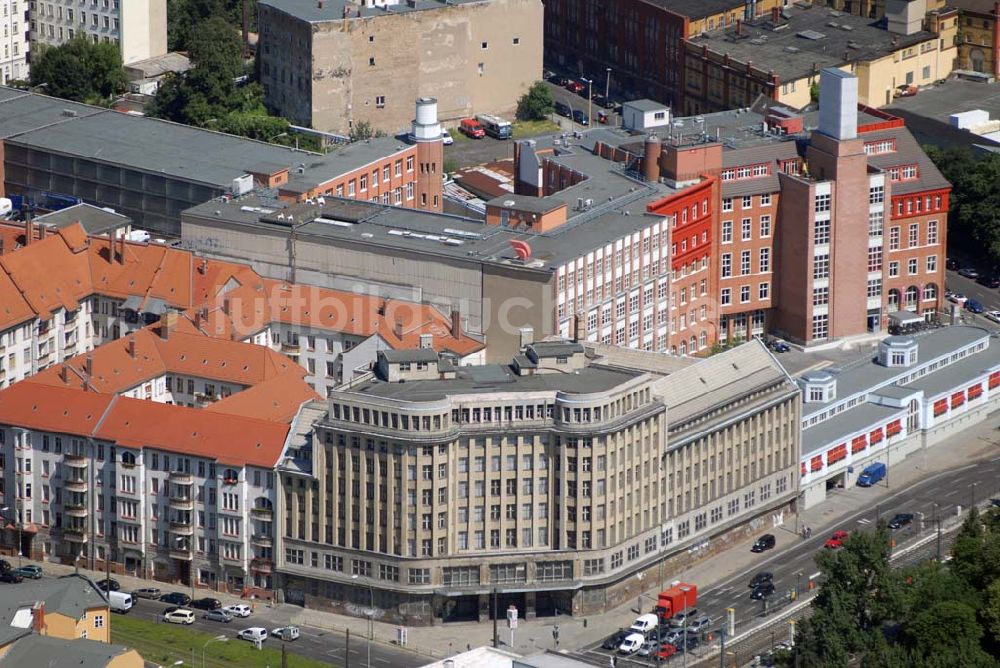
912, 394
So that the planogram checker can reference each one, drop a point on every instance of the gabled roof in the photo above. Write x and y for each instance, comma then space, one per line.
52, 652
71, 595
275, 400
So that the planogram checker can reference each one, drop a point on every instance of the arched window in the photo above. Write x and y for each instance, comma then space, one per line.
684, 348
912, 295
930, 292
128, 459
912, 416
893, 300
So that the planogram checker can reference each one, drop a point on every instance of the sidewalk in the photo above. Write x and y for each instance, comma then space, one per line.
441, 641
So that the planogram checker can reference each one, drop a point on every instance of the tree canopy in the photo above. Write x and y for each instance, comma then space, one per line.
184, 16
536, 104
926, 616
974, 216
79, 70
214, 93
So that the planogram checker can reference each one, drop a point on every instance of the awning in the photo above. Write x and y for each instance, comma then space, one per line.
905, 317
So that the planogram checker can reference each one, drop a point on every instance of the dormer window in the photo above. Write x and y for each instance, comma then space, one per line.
819, 387
897, 351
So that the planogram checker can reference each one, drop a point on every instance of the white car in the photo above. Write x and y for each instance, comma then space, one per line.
180, 616
238, 610
446, 138
993, 315
633, 643
645, 623
253, 634
958, 298
286, 633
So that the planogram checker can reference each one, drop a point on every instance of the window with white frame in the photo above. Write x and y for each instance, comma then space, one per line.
727, 231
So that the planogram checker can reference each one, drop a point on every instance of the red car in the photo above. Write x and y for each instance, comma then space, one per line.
666, 651
574, 86
836, 540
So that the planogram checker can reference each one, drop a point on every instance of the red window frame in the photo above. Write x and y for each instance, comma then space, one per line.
957, 399
940, 407
994, 379
859, 443
876, 436
836, 454
974, 391
816, 463
893, 428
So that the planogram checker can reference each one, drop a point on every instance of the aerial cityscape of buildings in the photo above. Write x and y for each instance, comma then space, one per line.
427, 378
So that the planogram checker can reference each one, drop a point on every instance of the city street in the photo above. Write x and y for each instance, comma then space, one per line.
793, 560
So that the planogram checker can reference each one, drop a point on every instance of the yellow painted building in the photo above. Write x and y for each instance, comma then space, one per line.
978, 43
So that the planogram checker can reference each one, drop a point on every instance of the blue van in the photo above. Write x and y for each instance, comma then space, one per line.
872, 474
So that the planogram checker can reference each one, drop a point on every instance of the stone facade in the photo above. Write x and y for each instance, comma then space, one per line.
474, 57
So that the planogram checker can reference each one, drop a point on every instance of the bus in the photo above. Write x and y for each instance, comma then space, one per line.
495, 126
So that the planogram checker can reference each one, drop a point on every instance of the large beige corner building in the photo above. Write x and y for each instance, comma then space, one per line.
138, 27
330, 64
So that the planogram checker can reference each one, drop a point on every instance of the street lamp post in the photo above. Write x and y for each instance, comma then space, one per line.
204, 647
370, 614
607, 84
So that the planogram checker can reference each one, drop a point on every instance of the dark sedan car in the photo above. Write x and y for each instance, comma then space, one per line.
206, 603
761, 578
580, 117
11, 577
974, 306
563, 109
765, 542
900, 520
989, 280
176, 598
615, 639
109, 584
762, 591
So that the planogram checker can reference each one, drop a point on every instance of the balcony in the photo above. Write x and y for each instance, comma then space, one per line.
265, 514
181, 503
181, 478
182, 554
262, 540
75, 534
75, 509
75, 461
77, 486
262, 566
181, 528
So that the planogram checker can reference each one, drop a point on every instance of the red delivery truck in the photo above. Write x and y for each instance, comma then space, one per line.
671, 601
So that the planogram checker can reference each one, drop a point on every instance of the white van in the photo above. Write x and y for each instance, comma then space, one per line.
632, 643
120, 601
645, 623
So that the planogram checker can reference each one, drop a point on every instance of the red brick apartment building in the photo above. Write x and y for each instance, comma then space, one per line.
815, 227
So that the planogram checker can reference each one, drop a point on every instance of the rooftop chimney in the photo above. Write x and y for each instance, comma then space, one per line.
131, 346
29, 231
38, 618
88, 367
838, 104
651, 158
456, 324
63, 373
121, 251
578, 327
527, 336
167, 324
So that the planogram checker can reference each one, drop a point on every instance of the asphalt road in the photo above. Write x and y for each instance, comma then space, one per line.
318, 644
793, 566
988, 297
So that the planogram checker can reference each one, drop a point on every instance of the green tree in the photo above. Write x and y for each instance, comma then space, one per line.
79, 70
991, 611
860, 592
536, 104
364, 130
183, 16
938, 628
974, 216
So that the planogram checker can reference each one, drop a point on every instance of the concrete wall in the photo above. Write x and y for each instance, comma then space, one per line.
371, 69
878, 79
143, 29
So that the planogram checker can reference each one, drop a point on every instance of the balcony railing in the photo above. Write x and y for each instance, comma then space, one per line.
262, 513
261, 565
181, 478
181, 503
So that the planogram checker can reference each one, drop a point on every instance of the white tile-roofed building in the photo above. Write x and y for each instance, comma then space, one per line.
866, 411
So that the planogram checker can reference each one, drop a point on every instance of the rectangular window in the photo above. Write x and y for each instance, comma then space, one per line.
727, 231
911, 266
894, 238
821, 232
931, 263
893, 269
765, 221
932, 231
875, 258
727, 296
821, 266
764, 291
765, 260
821, 296
819, 326
876, 195
875, 287
744, 263
822, 203
747, 229
727, 265
875, 219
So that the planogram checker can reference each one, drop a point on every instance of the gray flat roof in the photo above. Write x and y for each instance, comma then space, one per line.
697, 9
866, 375
952, 376
410, 355
53, 652
527, 203
172, 149
935, 104
499, 378
95, 220
545, 349
814, 38
333, 10
645, 105
816, 438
